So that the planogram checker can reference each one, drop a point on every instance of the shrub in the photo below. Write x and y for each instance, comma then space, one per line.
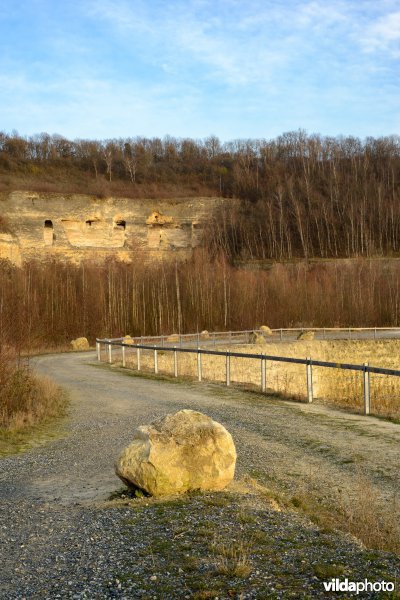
25, 398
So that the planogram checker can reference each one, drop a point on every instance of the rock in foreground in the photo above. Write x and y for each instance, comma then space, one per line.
181, 452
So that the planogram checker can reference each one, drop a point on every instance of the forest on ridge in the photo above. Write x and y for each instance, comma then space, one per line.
296, 196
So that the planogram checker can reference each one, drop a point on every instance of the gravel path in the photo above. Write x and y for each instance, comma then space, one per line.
61, 539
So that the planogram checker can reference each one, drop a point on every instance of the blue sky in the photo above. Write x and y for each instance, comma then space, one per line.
191, 68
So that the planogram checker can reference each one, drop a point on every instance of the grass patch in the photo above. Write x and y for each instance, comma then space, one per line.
30, 407
327, 571
232, 558
127, 493
199, 547
362, 515
21, 440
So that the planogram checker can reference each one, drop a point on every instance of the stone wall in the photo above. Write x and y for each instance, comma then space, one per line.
74, 227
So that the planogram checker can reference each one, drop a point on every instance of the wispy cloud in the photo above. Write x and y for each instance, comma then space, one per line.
384, 35
191, 67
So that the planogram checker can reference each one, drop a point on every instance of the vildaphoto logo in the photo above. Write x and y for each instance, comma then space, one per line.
337, 585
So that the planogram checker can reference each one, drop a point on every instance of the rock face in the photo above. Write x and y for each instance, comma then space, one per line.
80, 344
181, 452
74, 227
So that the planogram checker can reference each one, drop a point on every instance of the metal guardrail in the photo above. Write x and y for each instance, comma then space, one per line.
281, 334
263, 358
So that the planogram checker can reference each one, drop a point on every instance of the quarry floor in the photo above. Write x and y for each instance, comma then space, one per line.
61, 536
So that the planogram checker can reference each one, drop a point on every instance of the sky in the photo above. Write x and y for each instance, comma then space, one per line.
104, 69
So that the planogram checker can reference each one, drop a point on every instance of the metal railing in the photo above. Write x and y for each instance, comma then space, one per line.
365, 369
280, 334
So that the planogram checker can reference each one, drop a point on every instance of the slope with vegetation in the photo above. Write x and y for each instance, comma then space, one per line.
297, 195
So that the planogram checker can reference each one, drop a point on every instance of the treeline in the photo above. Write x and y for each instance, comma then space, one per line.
298, 195
48, 305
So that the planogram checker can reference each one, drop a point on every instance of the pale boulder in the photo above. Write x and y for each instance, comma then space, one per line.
181, 452
174, 337
80, 344
306, 336
265, 330
257, 338
205, 335
128, 340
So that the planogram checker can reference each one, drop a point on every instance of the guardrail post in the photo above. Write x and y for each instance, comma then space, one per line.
263, 374
228, 369
375, 333
280, 335
155, 361
349, 333
162, 341
175, 362
138, 358
98, 350
199, 371
123, 356
367, 390
309, 380
324, 334
109, 353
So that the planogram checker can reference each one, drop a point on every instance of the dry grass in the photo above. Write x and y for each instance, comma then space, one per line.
364, 516
25, 398
362, 512
342, 388
232, 559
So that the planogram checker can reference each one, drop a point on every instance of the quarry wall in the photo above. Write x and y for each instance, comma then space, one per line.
74, 227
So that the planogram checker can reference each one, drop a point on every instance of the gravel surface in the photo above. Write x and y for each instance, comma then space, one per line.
61, 536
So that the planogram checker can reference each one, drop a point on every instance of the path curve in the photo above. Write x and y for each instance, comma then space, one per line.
48, 494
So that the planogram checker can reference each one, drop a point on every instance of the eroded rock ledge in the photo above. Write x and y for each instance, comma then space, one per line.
74, 227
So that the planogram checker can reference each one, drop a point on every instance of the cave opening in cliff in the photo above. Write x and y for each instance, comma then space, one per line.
48, 234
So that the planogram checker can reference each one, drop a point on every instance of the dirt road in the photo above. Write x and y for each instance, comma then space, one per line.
291, 447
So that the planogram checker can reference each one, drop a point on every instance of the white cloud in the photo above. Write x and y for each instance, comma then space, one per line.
384, 34
195, 66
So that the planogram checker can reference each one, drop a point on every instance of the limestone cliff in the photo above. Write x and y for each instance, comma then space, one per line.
73, 227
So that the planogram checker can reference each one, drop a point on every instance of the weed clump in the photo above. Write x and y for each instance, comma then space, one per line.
25, 398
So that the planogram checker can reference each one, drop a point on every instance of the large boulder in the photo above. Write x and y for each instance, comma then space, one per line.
80, 344
257, 338
265, 330
181, 452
